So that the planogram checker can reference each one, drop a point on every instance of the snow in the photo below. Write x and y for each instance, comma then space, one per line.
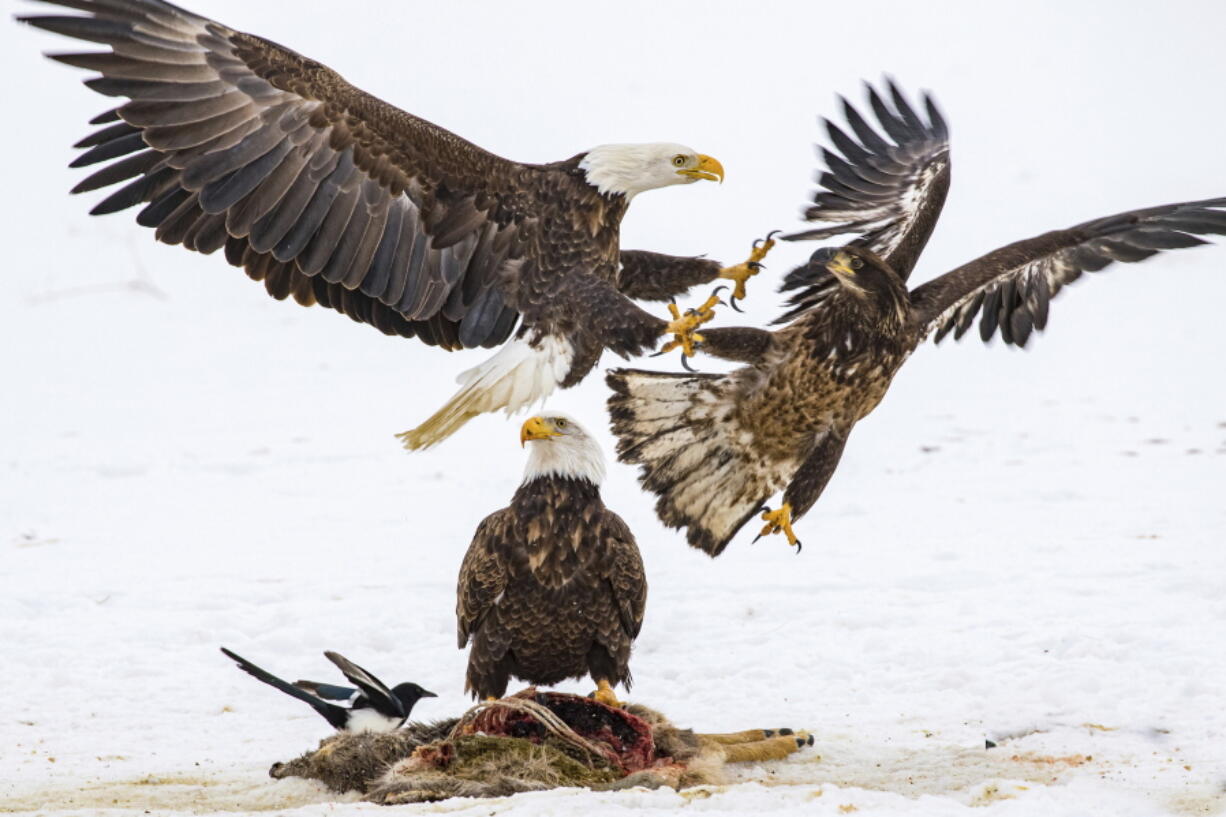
1025, 547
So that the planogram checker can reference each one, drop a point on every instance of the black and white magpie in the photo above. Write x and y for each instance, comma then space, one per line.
372, 707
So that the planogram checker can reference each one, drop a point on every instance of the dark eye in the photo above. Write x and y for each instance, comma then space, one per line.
856, 263
679, 160
560, 423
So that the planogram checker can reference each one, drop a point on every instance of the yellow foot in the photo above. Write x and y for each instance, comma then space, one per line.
682, 327
779, 521
744, 271
605, 694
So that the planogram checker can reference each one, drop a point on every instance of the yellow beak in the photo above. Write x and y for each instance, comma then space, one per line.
707, 168
841, 265
536, 428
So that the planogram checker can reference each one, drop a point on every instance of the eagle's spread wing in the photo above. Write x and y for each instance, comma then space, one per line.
313, 186
375, 689
888, 192
483, 576
1010, 288
626, 576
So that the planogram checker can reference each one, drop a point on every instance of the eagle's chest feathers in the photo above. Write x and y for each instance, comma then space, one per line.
557, 531
838, 369
580, 228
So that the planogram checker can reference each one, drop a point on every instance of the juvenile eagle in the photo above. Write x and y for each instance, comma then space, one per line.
552, 586
715, 448
336, 198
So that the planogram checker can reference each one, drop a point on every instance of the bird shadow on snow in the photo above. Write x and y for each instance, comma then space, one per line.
838, 765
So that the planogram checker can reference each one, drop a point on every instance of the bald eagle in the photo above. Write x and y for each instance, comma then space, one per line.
552, 586
715, 448
329, 195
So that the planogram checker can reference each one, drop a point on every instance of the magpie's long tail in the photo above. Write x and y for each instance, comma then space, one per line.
338, 716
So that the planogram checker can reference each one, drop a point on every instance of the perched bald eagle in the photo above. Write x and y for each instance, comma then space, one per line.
715, 448
336, 198
552, 586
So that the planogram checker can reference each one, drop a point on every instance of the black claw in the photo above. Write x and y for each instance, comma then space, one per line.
755, 539
685, 365
799, 546
810, 740
718, 288
656, 354
772, 234
732, 303
754, 265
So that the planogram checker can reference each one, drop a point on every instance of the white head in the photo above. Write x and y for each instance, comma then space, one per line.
631, 169
561, 448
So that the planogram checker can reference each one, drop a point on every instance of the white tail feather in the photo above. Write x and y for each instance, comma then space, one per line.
519, 375
695, 453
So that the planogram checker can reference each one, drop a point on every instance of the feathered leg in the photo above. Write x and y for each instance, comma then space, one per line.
806, 486
653, 276
743, 344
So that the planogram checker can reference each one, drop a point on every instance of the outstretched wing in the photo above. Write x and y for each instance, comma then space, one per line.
888, 192
311, 185
1010, 288
376, 691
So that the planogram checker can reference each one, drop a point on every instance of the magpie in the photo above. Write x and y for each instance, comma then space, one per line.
372, 707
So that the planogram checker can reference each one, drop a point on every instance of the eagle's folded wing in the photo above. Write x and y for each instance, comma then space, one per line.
1010, 288
483, 577
625, 573
313, 186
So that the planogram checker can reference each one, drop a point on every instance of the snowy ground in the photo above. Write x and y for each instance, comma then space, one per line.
1022, 547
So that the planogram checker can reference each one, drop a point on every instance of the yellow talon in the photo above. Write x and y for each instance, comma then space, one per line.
780, 521
682, 327
739, 275
605, 694
744, 271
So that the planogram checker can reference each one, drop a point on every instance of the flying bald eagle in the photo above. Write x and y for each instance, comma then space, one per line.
552, 586
329, 195
715, 448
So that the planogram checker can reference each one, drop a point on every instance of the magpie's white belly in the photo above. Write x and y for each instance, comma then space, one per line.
368, 720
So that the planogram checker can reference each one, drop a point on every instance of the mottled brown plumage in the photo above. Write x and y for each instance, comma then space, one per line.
333, 197
552, 586
715, 448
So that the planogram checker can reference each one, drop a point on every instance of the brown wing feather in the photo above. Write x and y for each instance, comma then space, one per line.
1010, 288
891, 193
483, 576
624, 569
313, 186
